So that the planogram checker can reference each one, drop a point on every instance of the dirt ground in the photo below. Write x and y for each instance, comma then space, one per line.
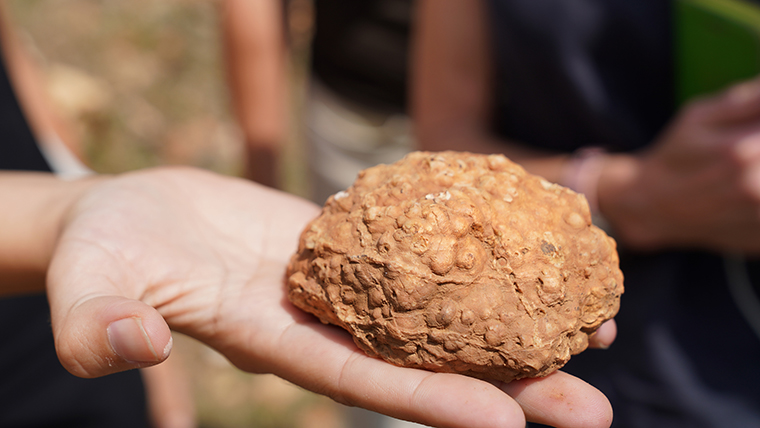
141, 83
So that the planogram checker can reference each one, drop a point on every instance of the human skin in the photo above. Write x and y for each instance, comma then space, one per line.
255, 59
697, 185
130, 258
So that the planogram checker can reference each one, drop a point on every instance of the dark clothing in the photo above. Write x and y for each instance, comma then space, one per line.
684, 355
582, 73
35, 390
18, 149
360, 50
575, 73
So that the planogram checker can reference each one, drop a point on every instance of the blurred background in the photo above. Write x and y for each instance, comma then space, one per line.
142, 83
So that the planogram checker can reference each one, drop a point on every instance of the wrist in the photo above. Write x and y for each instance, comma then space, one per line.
621, 201
262, 164
582, 173
38, 206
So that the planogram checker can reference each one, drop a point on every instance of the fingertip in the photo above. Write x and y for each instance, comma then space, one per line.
131, 341
562, 400
598, 414
604, 336
109, 334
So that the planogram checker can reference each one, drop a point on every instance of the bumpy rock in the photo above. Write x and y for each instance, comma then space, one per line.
463, 263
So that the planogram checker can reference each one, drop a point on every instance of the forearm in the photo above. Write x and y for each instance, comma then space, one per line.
262, 164
34, 207
255, 58
452, 87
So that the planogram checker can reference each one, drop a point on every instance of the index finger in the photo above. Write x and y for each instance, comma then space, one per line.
737, 104
327, 362
324, 359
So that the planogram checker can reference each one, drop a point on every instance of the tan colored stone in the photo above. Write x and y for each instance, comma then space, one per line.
463, 263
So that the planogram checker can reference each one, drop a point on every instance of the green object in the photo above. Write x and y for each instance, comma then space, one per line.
717, 43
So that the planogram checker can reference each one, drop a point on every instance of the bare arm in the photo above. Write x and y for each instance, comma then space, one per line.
697, 186
255, 56
33, 208
452, 79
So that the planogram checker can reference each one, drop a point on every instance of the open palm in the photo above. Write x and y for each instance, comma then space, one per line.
181, 249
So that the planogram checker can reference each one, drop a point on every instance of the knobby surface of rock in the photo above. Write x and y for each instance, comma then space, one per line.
463, 263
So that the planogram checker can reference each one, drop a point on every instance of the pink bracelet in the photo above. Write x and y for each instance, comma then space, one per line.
582, 174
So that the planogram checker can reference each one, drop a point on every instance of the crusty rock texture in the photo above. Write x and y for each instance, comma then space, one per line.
463, 263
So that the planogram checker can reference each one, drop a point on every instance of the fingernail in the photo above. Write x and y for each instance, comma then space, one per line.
131, 342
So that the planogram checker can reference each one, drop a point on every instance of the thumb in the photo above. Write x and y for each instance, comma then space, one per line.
101, 335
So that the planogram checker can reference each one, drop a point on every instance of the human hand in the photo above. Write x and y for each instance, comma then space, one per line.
698, 185
205, 255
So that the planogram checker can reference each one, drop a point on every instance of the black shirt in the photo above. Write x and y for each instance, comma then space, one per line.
574, 73
360, 50
35, 390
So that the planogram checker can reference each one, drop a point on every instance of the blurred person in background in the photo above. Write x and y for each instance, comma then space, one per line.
582, 94
255, 47
356, 103
96, 271
355, 109
356, 106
